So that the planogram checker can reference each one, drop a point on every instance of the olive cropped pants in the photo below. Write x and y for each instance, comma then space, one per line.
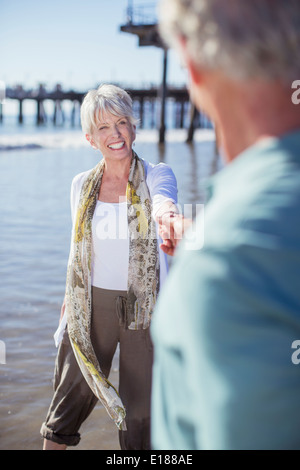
73, 399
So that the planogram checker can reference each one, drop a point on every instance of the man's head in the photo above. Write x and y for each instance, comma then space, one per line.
244, 39
242, 57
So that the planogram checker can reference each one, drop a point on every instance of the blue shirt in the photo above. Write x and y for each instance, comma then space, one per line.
229, 313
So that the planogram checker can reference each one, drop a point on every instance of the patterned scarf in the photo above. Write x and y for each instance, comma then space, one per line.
143, 277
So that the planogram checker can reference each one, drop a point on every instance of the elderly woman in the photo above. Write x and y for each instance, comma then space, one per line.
114, 274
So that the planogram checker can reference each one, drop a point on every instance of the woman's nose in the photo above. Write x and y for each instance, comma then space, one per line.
116, 130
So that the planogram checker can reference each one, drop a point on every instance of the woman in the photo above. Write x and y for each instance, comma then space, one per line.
114, 274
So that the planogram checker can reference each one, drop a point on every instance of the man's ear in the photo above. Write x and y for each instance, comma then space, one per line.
193, 71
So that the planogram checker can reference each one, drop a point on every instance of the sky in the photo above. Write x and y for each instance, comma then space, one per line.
77, 43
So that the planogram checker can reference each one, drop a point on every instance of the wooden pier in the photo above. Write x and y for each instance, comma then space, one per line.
141, 21
40, 95
145, 101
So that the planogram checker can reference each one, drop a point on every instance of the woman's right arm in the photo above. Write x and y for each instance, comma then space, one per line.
74, 195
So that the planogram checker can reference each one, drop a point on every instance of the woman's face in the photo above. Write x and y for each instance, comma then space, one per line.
113, 136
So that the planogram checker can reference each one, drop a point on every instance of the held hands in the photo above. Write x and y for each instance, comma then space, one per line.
171, 229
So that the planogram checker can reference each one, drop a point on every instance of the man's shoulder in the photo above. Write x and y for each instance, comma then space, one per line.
258, 195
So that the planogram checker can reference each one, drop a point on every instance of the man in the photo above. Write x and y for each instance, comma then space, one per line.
229, 314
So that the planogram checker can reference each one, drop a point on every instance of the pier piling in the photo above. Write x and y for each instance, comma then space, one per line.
162, 129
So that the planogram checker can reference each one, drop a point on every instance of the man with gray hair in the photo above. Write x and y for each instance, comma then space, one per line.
229, 313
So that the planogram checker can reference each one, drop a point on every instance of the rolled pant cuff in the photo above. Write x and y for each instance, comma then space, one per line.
62, 439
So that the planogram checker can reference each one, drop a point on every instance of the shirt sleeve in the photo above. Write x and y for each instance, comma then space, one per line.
162, 185
76, 186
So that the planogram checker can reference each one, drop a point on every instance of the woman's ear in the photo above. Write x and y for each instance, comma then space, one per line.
133, 133
90, 140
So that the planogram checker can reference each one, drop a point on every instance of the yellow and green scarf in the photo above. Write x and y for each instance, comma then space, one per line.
143, 277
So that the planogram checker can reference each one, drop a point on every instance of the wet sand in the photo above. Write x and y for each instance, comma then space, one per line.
24, 404
20, 431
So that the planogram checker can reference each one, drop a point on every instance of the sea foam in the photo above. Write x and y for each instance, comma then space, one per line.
75, 139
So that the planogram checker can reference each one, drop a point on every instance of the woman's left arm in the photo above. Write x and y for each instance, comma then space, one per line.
162, 185
163, 191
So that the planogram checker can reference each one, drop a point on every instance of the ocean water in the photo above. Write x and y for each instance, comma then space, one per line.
36, 170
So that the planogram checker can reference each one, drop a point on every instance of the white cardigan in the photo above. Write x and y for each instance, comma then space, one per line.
162, 186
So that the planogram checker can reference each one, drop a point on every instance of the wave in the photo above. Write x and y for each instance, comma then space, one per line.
39, 140
75, 139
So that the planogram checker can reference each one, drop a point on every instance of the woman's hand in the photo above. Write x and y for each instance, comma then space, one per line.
171, 229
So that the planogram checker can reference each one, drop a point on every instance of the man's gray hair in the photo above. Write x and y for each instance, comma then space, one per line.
105, 99
243, 38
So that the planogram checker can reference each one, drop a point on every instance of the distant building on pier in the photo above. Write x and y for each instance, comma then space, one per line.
141, 20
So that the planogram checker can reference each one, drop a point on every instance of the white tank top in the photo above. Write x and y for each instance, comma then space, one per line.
110, 254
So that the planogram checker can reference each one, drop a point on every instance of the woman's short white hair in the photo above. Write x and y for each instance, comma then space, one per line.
105, 99
243, 38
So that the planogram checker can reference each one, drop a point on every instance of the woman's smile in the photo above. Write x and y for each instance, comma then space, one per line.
117, 145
